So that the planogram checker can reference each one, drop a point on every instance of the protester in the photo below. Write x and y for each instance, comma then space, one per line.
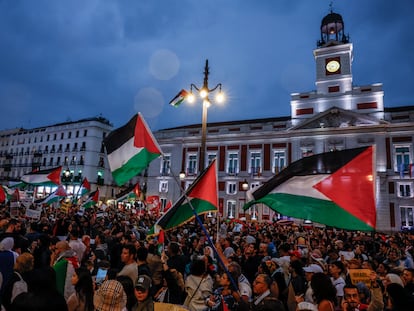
64, 262
17, 284
324, 292
198, 286
82, 298
110, 297
130, 268
142, 294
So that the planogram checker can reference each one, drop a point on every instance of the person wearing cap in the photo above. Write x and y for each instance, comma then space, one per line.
142, 293
309, 272
110, 297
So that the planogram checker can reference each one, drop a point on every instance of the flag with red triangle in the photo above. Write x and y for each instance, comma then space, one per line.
130, 149
43, 177
334, 188
161, 241
55, 196
92, 200
86, 187
202, 195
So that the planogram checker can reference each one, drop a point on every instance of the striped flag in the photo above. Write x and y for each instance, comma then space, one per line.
334, 188
44, 177
179, 98
130, 149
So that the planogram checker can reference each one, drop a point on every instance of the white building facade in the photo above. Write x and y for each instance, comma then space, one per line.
336, 116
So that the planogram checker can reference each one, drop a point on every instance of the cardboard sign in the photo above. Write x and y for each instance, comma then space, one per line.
360, 275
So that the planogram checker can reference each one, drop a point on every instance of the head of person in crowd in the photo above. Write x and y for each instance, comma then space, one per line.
261, 284
295, 255
398, 299
24, 263
173, 249
142, 288
323, 288
336, 269
128, 286
110, 297
351, 299
198, 267
82, 280
383, 269
128, 254
364, 292
408, 276
311, 270
267, 267
391, 278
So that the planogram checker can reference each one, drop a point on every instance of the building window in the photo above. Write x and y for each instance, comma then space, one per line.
211, 157
165, 165
77, 134
402, 159
233, 163
163, 186
255, 163
231, 209
54, 136
407, 216
70, 135
85, 133
231, 187
404, 190
192, 164
62, 135
279, 160
163, 204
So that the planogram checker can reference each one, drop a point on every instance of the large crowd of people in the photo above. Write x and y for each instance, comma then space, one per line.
105, 260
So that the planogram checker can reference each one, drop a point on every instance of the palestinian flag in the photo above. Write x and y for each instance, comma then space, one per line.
130, 149
55, 196
43, 177
334, 188
179, 98
201, 195
92, 199
132, 192
160, 243
86, 187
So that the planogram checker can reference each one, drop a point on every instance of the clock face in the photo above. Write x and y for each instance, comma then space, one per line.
333, 66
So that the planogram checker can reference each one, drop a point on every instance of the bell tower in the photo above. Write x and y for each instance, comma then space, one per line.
333, 57
334, 81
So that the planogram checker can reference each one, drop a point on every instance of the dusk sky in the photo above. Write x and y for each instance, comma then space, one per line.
68, 60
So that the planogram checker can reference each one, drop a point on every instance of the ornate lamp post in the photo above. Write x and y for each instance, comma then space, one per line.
204, 92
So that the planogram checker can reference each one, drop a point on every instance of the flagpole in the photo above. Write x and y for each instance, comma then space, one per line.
210, 242
77, 193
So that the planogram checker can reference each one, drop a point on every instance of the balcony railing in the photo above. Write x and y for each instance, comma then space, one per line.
255, 170
191, 171
232, 171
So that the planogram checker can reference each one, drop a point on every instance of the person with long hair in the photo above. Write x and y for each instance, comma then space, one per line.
324, 292
226, 293
82, 298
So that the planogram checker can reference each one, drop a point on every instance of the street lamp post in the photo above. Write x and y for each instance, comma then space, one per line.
204, 91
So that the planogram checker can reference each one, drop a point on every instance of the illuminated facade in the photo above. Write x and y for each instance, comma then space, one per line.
336, 116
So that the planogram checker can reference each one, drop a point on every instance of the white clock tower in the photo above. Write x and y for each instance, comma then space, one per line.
334, 82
